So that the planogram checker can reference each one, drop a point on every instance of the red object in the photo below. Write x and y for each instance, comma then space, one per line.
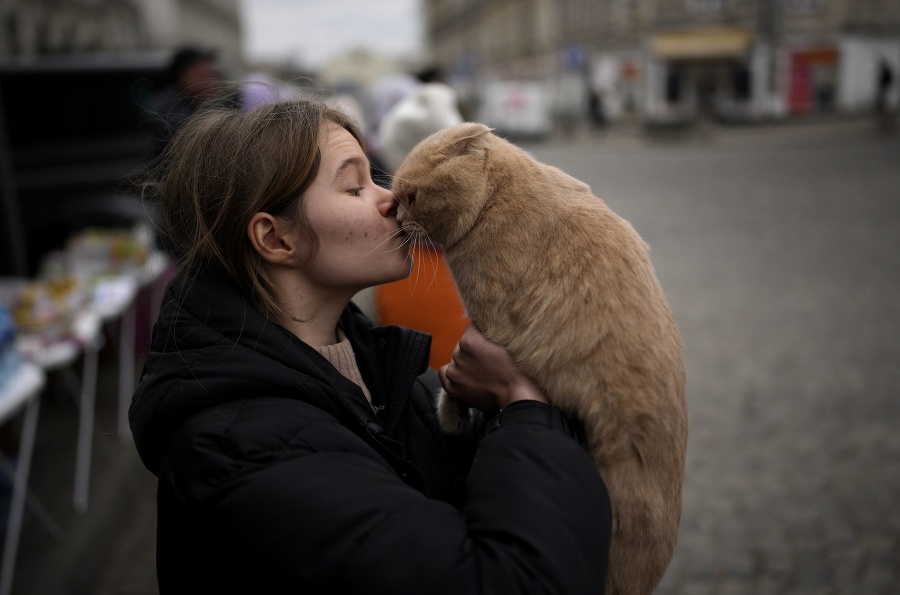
802, 83
426, 301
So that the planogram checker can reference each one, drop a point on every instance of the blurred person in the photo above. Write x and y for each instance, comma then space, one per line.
385, 93
430, 74
883, 86
596, 111
193, 79
884, 82
258, 88
431, 107
296, 445
379, 99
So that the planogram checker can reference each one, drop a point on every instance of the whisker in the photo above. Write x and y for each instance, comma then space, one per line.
407, 240
417, 266
435, 261
422, 247
433, 257
388, 237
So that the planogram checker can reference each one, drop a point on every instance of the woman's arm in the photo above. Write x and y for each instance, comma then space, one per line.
537, 518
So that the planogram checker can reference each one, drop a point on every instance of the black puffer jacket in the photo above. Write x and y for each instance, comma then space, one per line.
275, 475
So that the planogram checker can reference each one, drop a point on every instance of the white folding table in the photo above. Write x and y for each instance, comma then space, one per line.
86, 339
23, 390
112, 298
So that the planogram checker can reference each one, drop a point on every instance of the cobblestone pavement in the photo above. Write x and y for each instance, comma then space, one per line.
779, 249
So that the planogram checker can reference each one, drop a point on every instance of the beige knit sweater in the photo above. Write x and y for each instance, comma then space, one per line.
341, 357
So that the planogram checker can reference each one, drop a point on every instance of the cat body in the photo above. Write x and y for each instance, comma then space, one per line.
547, 270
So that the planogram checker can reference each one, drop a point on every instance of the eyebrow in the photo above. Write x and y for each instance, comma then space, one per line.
350, 162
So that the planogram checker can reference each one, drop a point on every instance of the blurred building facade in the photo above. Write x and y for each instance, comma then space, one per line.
359, 68
31, 28
673, 60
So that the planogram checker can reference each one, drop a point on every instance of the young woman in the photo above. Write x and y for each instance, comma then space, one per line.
296, 445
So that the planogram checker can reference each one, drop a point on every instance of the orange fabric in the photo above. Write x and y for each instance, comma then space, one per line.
426, 301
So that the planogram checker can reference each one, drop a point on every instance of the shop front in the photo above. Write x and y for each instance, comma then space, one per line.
812, 80
702, 73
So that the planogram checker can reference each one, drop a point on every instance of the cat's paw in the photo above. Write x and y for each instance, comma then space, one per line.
453, 415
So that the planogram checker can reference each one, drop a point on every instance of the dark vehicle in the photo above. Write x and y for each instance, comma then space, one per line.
71, 137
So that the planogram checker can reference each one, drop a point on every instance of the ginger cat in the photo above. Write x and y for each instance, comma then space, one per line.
547, 270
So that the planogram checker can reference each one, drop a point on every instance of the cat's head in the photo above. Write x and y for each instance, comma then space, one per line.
442, 185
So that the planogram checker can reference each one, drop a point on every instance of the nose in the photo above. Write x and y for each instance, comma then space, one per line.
387, 204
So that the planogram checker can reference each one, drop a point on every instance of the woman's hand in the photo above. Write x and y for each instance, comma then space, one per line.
483, 375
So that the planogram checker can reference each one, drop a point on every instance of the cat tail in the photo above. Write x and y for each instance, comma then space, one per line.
454, 416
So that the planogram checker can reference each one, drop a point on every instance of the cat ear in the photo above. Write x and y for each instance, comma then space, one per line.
468, 136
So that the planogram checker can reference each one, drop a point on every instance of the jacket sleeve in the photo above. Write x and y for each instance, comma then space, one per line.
538, 518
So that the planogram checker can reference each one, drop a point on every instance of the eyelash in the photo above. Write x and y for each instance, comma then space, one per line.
357, 191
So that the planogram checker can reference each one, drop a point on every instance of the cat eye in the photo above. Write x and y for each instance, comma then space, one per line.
411, 198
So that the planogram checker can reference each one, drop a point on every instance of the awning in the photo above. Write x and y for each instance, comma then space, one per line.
698, 44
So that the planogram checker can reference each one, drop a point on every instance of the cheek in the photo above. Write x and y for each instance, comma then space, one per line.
346, 232
329, 224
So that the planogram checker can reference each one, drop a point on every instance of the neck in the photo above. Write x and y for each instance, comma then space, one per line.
312, 313
318, 331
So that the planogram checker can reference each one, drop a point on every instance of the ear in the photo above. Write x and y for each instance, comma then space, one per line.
467, 137
267, 236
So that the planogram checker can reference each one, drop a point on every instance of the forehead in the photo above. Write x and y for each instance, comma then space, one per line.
336, 143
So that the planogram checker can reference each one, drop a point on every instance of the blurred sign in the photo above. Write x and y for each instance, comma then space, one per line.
572, 56
515, 108
717, 42
629, 71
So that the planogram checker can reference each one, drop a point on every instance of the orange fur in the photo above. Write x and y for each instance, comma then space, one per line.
547, 270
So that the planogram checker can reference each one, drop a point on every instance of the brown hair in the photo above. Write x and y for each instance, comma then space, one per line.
224, 166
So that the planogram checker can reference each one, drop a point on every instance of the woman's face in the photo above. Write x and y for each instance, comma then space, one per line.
360, 244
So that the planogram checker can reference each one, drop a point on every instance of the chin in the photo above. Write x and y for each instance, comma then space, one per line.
395, 274
402, 273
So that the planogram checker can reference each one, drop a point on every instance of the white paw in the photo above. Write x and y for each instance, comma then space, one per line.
453, 416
